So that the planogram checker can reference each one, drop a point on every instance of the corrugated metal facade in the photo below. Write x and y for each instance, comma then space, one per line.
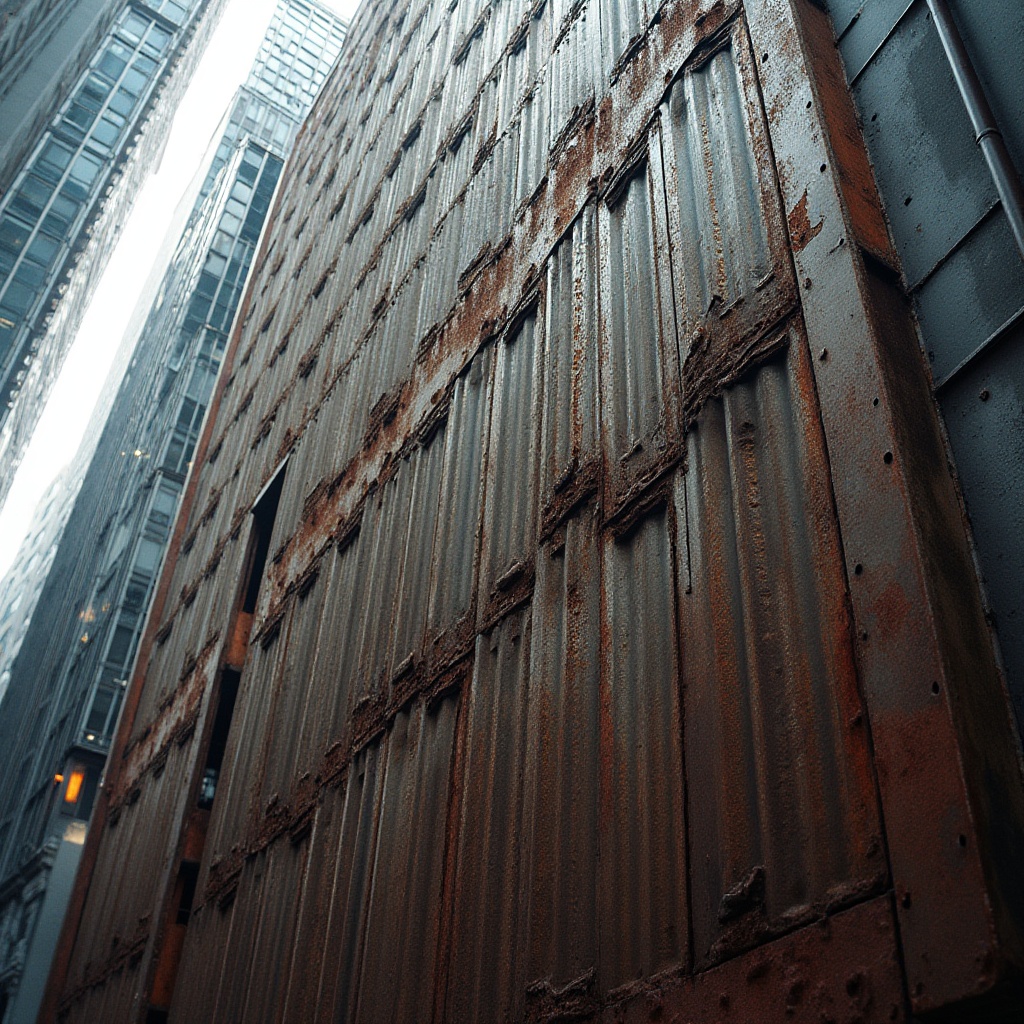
572, 690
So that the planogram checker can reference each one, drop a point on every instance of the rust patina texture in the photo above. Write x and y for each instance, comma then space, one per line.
618, 654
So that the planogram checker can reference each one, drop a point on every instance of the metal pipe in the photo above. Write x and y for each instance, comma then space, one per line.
986, 131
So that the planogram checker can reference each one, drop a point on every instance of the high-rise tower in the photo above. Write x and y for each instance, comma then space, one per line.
89, 93
67, 684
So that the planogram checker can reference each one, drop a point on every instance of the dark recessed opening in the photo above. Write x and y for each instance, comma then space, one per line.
264, 512
219, 737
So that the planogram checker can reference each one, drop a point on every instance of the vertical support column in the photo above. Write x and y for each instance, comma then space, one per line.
945, 752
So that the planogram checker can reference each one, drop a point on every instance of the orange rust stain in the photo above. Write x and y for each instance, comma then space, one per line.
855, 175
801, 230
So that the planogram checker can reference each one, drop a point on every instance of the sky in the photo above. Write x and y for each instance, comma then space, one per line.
65, 418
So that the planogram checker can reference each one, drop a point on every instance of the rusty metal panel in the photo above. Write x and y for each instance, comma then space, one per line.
314, 910
241, 786
782, 808
383, 581
731, 269
561, 803
569, 446
425, 467
458, 526
572, 78
489, 885
718, 197
621, 26
403, 909
329, 713
204, 960
291, 713
641, 373
643, 910
510, 512
353, 860
274, 948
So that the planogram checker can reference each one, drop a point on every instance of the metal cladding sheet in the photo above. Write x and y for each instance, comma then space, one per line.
782, 810
569, 410
719, 201
402, 915
635, 364
461, 493
510, 517
561, 807
411, 613
643, 898
353, 873
490, 856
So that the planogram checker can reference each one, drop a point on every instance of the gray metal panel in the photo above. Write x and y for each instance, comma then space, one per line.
411, 613
489, 928
781, 801
561, 807
634, 368
984, 410
970, 296
458, 525
719, 196
510, 516
570, 408
353, 860
643, 904
403, 912
383, 583
928, 168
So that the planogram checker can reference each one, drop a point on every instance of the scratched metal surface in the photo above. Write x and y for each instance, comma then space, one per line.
959, 261
550, 700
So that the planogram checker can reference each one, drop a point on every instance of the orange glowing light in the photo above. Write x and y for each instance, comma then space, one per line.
58, 779
74, 786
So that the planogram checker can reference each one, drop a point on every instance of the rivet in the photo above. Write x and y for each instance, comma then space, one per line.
887, 458
807, 282
985, 394
823, 355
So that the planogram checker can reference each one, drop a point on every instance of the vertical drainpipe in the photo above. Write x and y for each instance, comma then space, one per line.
986, 131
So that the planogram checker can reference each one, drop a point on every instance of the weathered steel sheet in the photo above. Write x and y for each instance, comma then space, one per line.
510, 508
782, 808
641, 832
489, 854
641, 373
561, 806
403, 908
555, 703
425, 467
458, 527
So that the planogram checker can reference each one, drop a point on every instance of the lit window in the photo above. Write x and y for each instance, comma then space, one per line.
74, 790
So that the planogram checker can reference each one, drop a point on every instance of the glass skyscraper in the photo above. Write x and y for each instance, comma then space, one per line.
67, 684
64, 206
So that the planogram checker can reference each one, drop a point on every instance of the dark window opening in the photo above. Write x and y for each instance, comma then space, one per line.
264, 512
189, 874
219, 739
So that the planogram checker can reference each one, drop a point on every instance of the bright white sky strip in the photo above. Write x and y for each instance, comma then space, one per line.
66, 417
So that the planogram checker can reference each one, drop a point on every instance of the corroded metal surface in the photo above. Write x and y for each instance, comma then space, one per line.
556, 701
